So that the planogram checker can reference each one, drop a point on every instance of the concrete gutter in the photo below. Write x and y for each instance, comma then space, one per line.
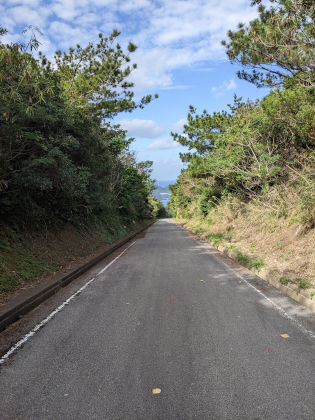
22, 304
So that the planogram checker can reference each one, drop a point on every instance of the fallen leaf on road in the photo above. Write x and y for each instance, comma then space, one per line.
65, 395
284, 335
156, 391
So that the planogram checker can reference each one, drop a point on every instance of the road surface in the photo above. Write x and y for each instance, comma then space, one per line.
166, 330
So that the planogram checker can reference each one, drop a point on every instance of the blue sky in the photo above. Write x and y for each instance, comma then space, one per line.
179, 56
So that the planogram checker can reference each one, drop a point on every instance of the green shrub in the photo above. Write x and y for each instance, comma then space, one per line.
284, 280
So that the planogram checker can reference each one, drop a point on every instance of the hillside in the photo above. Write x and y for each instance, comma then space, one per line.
66, 170
249, 186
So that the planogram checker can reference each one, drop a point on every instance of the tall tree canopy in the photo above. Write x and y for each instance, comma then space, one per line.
61, 158
278, 46
261, 146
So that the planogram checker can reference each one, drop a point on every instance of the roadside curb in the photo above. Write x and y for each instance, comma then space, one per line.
21, 305
285, 289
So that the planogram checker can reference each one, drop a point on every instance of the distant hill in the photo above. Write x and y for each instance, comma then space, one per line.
162, 192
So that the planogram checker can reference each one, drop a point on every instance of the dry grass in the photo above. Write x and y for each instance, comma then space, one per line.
283, 245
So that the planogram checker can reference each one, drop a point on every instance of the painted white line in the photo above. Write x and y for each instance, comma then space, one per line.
112, 262
53, 313
277, 307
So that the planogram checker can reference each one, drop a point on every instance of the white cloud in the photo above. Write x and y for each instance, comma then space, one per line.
182, 33
176, 87
179, 125
104, 3
231, 85
88, 19
132, 5
163, 144
142, 128
155, 65
67, 12
69, 35
170, 34
9, 24
226, 86
31, 3
26, 15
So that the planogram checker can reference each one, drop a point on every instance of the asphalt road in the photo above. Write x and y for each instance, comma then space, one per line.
169, 314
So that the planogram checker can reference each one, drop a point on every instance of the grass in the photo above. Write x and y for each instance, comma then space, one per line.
21, 262
249, 262
198, 229
293, 219
252, 246
16, 266
9, 283
216, 238
277, 240
219, 238
302, 284
284, 281
5, 247
31, 267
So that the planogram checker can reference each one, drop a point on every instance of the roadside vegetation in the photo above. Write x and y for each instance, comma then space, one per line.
158, 209
249, 183
63, 163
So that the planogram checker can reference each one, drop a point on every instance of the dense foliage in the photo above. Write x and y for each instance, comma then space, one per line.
158, 209
278, 46
257, 146
61, 158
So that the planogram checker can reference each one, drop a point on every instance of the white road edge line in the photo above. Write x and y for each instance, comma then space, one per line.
53, 313
112, 262
277, 307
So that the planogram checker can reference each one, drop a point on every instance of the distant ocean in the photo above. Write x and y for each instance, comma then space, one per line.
162, 192
166, 183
